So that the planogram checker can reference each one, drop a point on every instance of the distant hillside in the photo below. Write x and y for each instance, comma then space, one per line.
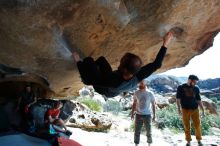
179, 79
165, 83
209, 84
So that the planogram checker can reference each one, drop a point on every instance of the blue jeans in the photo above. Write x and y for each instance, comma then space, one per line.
139, 121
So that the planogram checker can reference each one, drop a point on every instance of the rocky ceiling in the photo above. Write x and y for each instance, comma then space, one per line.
36, 35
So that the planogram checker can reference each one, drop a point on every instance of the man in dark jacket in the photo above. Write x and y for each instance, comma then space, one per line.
26, 99
111, 83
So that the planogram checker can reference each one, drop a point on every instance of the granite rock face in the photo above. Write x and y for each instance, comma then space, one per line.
89, 120
36, 35
164, 84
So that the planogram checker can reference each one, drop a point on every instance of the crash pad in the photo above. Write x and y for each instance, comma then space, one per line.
22, 140
62, 141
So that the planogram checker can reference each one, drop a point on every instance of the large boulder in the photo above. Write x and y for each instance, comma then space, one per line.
89, 120
74, 114
161, 101
86, 91
209, 105
39, 109
216, 93
213, 93
36, 35
125, 101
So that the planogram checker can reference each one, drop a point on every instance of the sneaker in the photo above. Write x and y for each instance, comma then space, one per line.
200, 143
51, 129
68, 133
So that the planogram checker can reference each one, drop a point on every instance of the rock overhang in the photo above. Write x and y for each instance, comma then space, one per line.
35, 36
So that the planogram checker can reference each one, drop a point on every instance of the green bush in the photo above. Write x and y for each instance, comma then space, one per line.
214, 99
132, 127
218, 104
216, 120
92, 104
205, 125
112, 106
168, 117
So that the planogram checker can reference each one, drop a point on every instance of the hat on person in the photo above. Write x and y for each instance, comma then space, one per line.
193, 77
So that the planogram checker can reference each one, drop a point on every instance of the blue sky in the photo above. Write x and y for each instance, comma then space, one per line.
206, 65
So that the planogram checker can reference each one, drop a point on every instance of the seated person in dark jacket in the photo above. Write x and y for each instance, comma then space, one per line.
26, 99
25, 102
110, 83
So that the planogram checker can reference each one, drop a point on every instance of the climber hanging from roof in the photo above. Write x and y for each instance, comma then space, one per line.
130, 72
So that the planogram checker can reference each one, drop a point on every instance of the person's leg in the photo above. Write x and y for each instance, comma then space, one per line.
93, 70
137, 126
24, 118
58, 128
30, 122
147, 123
186, 124
197, 124
60, 123
88, 68
83, 72
89, 71
103, 65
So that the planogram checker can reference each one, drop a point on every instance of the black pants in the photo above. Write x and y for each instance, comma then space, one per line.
27, 118
92, 72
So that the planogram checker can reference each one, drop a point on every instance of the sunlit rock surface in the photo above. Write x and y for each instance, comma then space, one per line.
89, 120
35, 35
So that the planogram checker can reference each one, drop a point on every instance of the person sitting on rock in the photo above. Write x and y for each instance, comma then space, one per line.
53, 121
129, 73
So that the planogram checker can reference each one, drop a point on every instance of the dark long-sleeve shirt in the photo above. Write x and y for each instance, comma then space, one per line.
114, 84
189, 96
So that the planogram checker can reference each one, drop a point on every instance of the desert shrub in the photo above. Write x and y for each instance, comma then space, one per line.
206, 125
214, 99
132, 126
216, 120
92, 104
218, 104
169, 118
